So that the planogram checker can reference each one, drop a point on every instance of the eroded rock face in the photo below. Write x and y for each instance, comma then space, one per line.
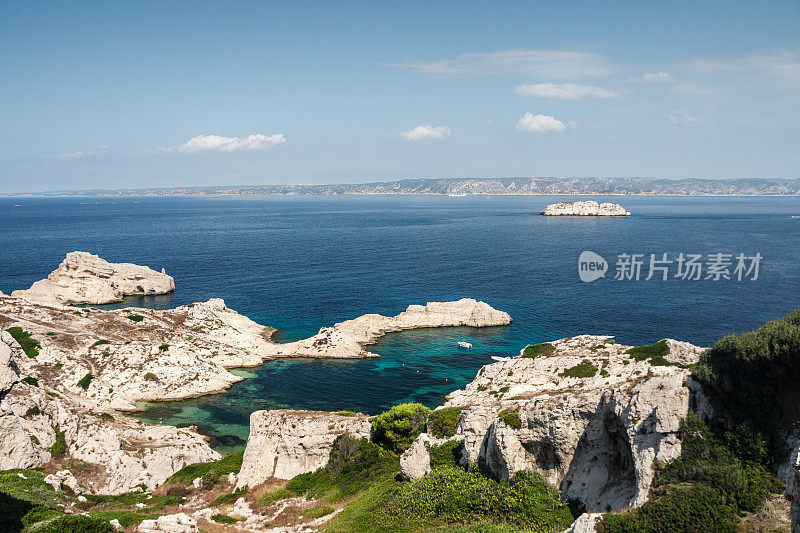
171, 523
589, 208
285, 443
596, 437
348, 339
416, 460
83, 278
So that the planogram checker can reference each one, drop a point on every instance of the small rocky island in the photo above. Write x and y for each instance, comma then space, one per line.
585, 209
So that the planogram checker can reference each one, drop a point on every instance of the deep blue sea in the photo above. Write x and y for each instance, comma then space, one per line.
301, 262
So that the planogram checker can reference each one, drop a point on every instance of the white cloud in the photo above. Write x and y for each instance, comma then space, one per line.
425, 132
553, 63
682, 119
540, 123
256, 141
653, 77
564, 91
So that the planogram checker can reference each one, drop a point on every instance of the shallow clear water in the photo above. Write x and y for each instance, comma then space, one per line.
299, 263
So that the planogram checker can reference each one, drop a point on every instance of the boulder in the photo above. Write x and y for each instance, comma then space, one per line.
585, 523
285, 443
416, 461
83, 278
171, 523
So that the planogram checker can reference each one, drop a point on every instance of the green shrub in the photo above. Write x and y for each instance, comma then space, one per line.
29, 346
397, 428
214, 469
38, 514
510, 417
544, 349
136, 318
482, 388
649, 351
353, 465
584, 369
76, 523
317, 511
345, 413
86, 381
59, 447
30, 380
224, 519
275, 496
445, 454
682, 509
453, 496
33, 411
225, 499
34, 439
150, 377
442, 422
163, 348
100, 342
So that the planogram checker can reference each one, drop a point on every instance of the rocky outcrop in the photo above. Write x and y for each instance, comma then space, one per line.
789, 473
83, 278
585, 523
416, 461
348, 339
285, 443
589, 208
590, 418
171, 523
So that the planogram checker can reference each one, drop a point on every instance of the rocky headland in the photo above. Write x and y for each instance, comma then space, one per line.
83, 278
589, 208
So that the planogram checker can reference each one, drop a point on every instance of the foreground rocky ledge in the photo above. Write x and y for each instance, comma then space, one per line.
589, 208
83, 278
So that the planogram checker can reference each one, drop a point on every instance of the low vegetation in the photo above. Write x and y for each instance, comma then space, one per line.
654, 353
544, 349
397, 428
85, 381
346, 413
224, 519
29, 345
208, 472
59, 447
584, 369
135, 318
100, 343
442, 422
446, 454
317, 511
510, 417
30, 380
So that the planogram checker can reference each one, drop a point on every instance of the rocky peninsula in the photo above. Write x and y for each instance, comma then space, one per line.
589, 208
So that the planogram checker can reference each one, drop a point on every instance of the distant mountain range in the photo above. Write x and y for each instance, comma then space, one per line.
487, 186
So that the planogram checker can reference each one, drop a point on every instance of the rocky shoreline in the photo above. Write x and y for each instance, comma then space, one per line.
589, 208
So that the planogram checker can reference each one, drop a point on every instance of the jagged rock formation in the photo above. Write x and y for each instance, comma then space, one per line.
171, 523
347, 339
83, 278
285, 443
596, 437
416, 461
589, 208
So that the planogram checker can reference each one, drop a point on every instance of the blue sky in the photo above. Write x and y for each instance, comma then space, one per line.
141, 94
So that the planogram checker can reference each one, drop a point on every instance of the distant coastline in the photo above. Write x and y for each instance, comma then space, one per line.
474, 187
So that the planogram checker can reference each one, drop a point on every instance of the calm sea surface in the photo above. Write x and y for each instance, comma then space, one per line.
301, 262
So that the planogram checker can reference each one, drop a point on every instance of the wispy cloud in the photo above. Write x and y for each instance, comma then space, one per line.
539, 123
778, 63
682, 119
425, 132
652, 77
75, 155
217, 143
564, 91
550, 63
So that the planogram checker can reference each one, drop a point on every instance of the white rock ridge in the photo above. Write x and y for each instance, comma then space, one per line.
285, 443
348, 339
83, 278
597, 438
585, 209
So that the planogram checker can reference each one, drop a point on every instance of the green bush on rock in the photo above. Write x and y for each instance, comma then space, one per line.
442, 422
544, 349
29, 346
397, 428
584, 369
211, 471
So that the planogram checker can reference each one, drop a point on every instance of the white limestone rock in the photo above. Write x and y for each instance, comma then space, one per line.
416, 461
61, 479
9, 372
596, 438
285, 443
171, 523
348, 339
585, 523
589, 208
83, 278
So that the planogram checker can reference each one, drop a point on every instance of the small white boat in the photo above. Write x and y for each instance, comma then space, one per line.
498, 358
465, 344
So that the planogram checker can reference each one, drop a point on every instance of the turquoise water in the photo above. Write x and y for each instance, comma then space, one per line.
299, 263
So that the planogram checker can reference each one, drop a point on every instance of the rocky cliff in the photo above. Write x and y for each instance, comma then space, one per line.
83, 278
587, 415
284, 443
589, 208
